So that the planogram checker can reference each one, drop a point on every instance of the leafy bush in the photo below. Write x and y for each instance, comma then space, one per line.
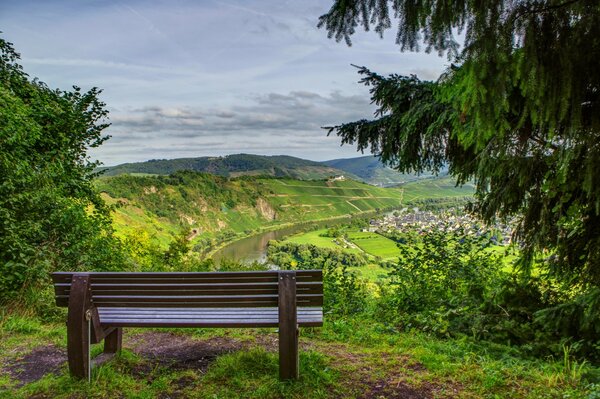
51, 218
344, 292
439, 279
448, 283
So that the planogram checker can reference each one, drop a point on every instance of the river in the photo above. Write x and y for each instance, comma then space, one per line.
254, 248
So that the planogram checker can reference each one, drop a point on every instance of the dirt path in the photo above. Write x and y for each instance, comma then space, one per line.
181, 352
351, 204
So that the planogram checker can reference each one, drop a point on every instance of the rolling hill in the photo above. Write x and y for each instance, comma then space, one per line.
368, 169
232, 166
371, 170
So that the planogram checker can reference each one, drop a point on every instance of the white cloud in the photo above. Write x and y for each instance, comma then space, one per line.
206, 78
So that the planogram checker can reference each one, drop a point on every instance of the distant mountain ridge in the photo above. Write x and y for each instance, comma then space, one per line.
368, 169
371, 170
233, 165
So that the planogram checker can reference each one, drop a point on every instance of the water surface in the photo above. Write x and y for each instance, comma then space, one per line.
254, 248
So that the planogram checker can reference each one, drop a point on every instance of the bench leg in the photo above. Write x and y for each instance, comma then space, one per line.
78, 328
288, 327
113, 341
288, 353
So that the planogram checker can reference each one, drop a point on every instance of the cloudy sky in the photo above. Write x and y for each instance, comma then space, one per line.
204, 78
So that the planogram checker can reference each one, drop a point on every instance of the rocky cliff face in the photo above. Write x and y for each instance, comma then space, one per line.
265, 209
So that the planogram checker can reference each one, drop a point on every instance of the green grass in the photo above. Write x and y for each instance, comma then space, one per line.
314, 238
370, 243
347, 358
375, 244
441, 187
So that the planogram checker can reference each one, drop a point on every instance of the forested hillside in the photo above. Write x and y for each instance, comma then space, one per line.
368, 169
231, 165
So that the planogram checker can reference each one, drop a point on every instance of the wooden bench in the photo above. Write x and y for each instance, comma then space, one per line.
100, 304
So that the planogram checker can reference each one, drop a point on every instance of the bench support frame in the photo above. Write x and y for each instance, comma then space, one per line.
78, 326
83, 328
288, 327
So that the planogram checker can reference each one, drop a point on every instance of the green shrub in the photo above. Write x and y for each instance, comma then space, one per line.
344, 292
438, 280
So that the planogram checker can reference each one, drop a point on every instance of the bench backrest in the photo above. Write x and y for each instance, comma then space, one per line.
210, 289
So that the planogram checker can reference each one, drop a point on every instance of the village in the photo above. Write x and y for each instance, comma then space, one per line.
414, 219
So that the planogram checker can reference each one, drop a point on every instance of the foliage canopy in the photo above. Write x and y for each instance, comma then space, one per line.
518, 112
51, 217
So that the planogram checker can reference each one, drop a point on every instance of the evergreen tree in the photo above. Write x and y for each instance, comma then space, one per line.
518, 112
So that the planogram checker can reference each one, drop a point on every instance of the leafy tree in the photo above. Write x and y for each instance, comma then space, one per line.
518, 112
51, 217
440, 281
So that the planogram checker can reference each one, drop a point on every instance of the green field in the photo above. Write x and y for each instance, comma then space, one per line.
441, 187
375, 244
314, 238
371, 245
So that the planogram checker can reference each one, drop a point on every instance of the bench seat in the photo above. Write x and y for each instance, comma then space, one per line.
203, 317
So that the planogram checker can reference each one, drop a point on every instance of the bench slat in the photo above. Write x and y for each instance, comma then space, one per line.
184, 311
185, 275
175, 293
193, 317
64, 302
218, 323
209, 277
202, 317
63, 289
185, 284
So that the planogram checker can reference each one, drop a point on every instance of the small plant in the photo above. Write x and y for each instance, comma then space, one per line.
572, 370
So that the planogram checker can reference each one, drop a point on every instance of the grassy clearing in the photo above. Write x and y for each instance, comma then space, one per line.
315, 238
371, 243
371, 272
375, 244
347, 358
439, 187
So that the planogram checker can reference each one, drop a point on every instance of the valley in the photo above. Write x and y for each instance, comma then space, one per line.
212, 210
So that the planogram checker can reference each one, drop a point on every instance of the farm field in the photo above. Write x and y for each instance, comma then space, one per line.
375, 244
370, 243
315, 238
440, 187
371, 272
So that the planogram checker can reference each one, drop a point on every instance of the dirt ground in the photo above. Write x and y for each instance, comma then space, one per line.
36, 364
182, 352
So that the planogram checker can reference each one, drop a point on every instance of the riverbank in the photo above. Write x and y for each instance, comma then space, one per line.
285, 226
